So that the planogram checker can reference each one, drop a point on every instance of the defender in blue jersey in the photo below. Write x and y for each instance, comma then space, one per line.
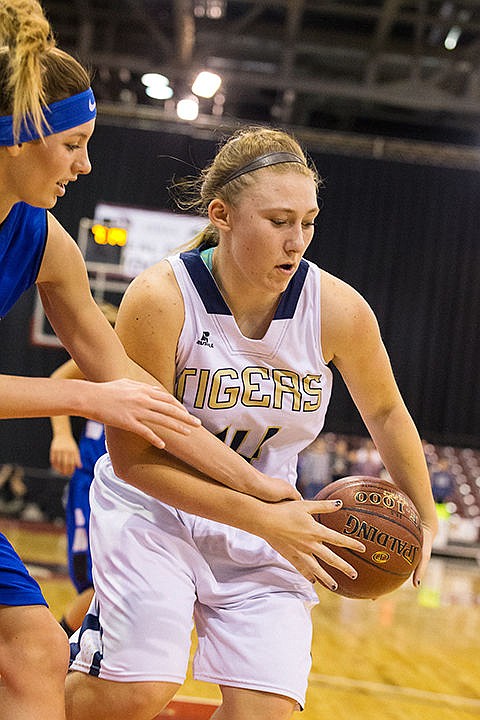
77, 461
47, 115
244, 330
33, 175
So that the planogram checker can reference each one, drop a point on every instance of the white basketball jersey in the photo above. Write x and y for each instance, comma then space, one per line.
265, 398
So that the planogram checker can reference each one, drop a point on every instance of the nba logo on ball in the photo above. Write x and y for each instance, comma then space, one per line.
386, 521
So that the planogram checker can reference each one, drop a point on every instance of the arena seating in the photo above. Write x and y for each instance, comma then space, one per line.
462, 509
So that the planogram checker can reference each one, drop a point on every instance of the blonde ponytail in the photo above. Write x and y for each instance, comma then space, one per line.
27, 34
33, 71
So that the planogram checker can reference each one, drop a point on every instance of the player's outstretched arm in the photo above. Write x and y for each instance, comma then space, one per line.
149, 322
125, 403
128, 397
349, 323
150, 410
287, 526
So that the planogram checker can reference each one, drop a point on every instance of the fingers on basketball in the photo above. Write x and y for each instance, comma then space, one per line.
385, 520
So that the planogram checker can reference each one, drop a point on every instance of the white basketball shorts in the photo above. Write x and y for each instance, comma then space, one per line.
156, 569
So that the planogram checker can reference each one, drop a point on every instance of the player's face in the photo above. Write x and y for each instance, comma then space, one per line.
272, 225
42, 170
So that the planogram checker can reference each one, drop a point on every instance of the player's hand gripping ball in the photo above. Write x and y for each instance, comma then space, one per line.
386, 521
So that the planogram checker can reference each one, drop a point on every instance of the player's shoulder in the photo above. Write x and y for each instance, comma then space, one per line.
340, 296
24, 224
156, 281
153, 291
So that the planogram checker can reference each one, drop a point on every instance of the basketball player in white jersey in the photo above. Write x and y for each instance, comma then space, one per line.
243, 329
47, 116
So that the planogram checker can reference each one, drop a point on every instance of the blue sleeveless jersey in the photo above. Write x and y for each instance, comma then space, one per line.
23, 237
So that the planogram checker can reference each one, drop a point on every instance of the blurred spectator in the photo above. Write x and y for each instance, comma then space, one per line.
443, 481
12, 490
314, 468
430, 453
366, 460
443, 486
341, 459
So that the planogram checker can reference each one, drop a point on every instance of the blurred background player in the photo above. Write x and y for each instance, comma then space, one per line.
78, 461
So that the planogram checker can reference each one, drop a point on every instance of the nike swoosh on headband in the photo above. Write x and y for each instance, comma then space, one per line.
60, 115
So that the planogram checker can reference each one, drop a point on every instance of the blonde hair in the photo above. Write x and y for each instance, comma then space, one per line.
33, 71
241, 148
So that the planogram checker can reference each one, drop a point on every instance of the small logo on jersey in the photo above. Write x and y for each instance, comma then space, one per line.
204, 339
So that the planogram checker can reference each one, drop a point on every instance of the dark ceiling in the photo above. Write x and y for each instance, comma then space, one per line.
366, 66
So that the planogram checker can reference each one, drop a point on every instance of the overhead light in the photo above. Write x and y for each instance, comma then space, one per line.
206, 84
212, 9
452, 38
455, 31
151, 79
159, 92
187, 108
157, 86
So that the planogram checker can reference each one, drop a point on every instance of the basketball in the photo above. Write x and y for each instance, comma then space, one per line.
385, 520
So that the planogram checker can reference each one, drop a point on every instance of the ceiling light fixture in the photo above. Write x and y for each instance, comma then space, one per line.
452, 38
159, 92
187, 108
150, 79
206, 84
157, 86
212, 9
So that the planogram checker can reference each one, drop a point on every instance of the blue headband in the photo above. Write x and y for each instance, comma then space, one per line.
61, 115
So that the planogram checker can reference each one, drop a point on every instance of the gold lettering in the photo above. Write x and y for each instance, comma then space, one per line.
351, 526
182, 381
250, 387
383, 538
312, 390
364, 531
217, 389
201, 389
287, 382
256, 386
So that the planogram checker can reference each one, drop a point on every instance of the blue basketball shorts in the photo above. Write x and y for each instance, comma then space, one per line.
17, 587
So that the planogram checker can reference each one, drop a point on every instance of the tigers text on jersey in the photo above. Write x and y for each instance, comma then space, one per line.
265, 398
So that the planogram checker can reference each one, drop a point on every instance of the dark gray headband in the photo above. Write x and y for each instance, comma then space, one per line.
274, 158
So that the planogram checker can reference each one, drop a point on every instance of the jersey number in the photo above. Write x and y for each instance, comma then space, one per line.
240, 435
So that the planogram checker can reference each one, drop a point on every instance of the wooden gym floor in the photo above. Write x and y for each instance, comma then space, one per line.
412, 655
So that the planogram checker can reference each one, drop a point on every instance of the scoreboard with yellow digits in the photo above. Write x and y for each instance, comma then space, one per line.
125, 240
104, 235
